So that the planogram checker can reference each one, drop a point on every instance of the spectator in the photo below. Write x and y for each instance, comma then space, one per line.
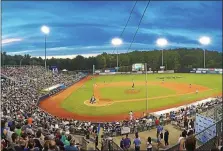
190, 143
122, 143
31, 146
166, 137
182, 141
38, 140
159, 130
137, 143
72, 146
157, 122
9, 133
192, 123
127, 142
149, 144
18, 130
52, 146
14, 145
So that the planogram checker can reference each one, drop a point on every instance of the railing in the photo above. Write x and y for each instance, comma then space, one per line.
84, 144
141, 127
208, 145
110, 145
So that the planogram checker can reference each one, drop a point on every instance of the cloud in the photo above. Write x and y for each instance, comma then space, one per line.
67, 56
87, 28
11, 40
20, 52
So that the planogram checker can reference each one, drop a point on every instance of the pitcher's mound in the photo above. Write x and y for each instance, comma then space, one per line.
132, 91
101, 102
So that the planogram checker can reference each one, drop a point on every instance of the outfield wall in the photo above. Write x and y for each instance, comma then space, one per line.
108, 72
206, 71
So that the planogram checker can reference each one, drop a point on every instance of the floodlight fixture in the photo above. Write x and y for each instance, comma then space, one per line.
45, 30
116, 41
161, 42
205, 40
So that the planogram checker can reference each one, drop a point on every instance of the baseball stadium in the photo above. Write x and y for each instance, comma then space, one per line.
111, 75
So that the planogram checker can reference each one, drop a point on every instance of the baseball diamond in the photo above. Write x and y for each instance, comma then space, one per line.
114, 99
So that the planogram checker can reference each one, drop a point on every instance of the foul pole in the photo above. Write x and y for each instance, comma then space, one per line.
146, 88
93, 72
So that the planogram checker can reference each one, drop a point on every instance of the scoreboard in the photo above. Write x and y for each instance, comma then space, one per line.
138, 67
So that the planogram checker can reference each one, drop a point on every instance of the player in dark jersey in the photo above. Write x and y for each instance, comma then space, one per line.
133, 85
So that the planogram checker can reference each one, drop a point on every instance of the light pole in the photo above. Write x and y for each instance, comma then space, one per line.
20, 62
204, 41
45, 31
161, 42
116, 42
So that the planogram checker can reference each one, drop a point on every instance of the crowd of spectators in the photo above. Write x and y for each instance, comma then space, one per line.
183, 118
24, 126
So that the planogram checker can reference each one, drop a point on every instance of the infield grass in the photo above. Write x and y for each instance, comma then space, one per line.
75, 102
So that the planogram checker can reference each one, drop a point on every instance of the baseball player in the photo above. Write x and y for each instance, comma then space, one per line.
196, 91
133, 85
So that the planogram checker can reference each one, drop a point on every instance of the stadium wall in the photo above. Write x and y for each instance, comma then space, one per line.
112, 72
200, 70
43, 97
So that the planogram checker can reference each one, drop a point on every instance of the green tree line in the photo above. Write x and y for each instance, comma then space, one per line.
173, 59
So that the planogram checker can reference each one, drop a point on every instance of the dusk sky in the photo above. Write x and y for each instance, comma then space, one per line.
86, 28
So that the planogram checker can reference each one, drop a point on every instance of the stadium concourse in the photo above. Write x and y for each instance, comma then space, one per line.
24, 126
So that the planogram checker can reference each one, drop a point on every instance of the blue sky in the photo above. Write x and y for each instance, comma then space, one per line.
87, 28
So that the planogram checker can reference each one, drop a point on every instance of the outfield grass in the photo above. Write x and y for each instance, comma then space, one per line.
75, 102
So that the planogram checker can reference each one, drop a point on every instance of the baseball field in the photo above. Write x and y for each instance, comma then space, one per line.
115, 97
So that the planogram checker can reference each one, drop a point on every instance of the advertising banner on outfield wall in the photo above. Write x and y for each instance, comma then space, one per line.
198, 71
107, 71
97, 71
202, 69
213, 72
160, 71
169, 71
220, 70
149, 72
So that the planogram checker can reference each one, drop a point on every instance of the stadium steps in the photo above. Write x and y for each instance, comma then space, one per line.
7, 77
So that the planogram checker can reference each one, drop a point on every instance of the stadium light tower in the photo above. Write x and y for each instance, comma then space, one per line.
45, 30
116, 42
161, 42
204, 41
